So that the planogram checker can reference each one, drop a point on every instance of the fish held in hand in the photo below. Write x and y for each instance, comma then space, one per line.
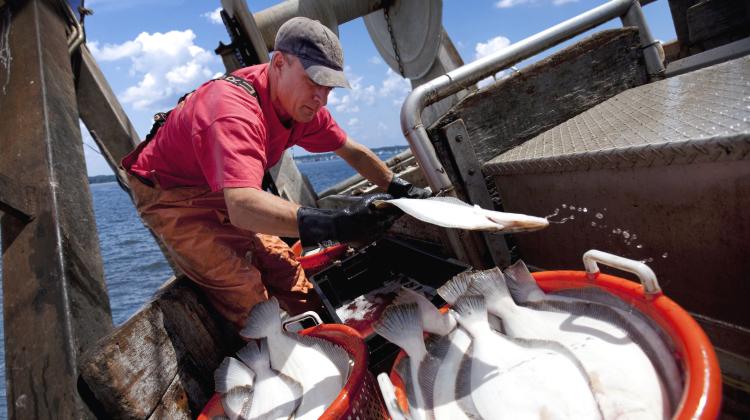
451, 212
539, 379
319, 366
275, 395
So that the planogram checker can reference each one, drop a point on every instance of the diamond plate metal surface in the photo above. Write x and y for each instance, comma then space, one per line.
700, 115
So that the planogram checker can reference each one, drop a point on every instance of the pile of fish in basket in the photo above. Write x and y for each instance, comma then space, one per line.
283, 375
508, 350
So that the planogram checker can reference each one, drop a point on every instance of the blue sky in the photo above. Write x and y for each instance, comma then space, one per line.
154, 51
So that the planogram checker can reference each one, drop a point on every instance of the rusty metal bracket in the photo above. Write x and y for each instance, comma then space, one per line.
471, 173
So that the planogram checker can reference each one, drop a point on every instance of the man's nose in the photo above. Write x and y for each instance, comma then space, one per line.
321, 94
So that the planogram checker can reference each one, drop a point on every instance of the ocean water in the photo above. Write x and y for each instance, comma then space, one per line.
133, 264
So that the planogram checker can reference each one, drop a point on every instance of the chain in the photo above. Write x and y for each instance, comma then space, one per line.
388, 5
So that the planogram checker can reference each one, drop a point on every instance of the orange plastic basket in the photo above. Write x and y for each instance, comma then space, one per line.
315, 262
701, 396
359, 398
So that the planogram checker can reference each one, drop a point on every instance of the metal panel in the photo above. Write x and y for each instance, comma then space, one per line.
471, 174
55, 299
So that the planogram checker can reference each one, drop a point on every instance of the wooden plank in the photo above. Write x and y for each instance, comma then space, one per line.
162, 359
103, 115
712, 23
55, 298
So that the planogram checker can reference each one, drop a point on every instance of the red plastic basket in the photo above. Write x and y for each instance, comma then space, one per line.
359, 398
315, 262
701, 397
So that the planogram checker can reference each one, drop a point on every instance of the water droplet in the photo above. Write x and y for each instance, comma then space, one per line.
605, 209
633, 237
626, 234
649, 259
664, 255
565, 206
593, 223
639, 246
555, 213
617, 231
599, 216
585, 210
572, 208
572, 217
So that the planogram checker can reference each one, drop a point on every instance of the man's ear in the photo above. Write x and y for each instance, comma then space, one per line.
277, 60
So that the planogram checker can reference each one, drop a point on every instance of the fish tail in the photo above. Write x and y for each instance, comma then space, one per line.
432, 320
254, 357
232, 373
492, 285
401, 325
521, 284
455, 287
237, 402
264, 320
472, 314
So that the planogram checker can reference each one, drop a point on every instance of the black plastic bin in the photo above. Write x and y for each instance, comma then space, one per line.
387, 261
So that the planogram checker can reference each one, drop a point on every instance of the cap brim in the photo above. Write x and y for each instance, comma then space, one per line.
326, 76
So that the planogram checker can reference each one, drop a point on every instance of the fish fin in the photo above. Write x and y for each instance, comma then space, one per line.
490, 284
455, 287
235, 399
264, 319
251, 356
402, 325
336, 354
521, 284
472, 314
232, 373
440, 347
463, 388
428, 371
432, 320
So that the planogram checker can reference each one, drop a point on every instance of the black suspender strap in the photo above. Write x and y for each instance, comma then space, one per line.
238, 81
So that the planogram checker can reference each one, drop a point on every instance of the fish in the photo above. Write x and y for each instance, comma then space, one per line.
275, 395
514, 381
433, 321
438, 376
623, 379
236, 402
318, 365
593, 301
450, 212
402, 325
232, 373
389, 397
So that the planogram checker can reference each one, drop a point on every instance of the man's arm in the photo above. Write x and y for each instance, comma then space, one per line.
364, 161
261, 212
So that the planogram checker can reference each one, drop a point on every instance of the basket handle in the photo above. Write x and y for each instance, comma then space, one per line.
287, 323
389, 396
644, 273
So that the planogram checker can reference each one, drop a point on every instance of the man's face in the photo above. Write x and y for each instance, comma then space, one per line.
300, 97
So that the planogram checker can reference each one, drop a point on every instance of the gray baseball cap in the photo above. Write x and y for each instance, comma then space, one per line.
316, 47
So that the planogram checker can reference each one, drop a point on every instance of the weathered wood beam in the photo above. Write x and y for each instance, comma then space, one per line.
17, 199
55, 299
103, 115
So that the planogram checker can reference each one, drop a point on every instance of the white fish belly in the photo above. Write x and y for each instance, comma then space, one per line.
444, 394
273, 399
513, 382
321, 381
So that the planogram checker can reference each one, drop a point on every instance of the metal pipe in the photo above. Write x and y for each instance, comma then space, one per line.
76, 37
651, 47
462, 77
329, 12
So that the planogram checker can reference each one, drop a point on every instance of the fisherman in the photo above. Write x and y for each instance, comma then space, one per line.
197, 178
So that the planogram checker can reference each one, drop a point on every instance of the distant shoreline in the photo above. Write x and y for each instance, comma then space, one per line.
317, 157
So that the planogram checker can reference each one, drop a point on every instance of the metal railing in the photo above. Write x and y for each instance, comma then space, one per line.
411, 112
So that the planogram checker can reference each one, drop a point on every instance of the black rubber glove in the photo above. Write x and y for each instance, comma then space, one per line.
400, 188
359, 221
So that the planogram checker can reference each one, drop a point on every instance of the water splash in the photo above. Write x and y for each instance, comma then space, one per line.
556, 212
664, 255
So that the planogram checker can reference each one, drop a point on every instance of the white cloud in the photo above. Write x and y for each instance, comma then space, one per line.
395, 85
561, 2
352, 122
375, 60
167, 64
483, 49
215, 16
359, 94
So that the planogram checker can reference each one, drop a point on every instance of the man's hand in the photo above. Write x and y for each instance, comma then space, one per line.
400, 188
359, 221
